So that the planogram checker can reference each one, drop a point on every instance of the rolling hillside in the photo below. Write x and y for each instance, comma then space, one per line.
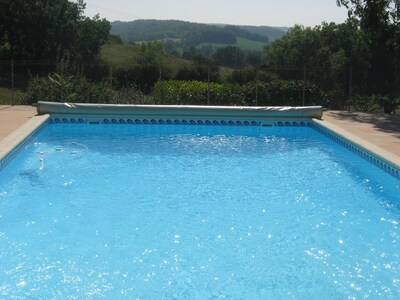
127, 56
186, 34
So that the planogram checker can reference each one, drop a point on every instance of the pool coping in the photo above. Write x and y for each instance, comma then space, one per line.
11, 144
385, 160
389, 162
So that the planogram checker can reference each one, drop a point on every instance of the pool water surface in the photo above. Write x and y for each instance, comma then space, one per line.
196, 212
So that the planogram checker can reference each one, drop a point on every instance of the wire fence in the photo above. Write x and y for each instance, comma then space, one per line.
195, 83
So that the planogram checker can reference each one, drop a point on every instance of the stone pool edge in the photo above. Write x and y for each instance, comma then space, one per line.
376, 155
11, 144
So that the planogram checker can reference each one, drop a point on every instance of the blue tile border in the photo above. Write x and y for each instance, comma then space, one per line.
174, 121
368, 156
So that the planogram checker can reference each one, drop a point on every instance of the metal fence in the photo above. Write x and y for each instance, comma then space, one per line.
258, 86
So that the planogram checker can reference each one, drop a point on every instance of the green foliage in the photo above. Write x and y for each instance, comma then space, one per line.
78, 89
201, 69
254, 58
130, 95
152, 54
57, 88
114, 40
328, 53
249, 45
16, 97
210, 35
379, 23
229, 56
240, 32
277, 92
46, 30
284, 93
372, 103
242, 75
197, 93
138, 65
141, 76
117, 56
92, 34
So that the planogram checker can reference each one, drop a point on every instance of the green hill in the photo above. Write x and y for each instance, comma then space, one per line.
125, 56
182, 34
119, 55
242, 43
273, 33
246, 44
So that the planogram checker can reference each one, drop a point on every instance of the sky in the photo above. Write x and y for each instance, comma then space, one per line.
236, 12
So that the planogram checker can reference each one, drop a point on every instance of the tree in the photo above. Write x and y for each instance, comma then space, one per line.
152, 54
46, 30
254, 58
229, 56
327, 52
379, 24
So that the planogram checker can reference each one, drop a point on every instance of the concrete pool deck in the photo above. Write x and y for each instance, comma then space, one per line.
378, 129
12, 117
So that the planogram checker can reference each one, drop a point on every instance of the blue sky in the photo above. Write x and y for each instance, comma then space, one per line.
240, 12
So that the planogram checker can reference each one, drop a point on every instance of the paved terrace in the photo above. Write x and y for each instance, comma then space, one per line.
381, 130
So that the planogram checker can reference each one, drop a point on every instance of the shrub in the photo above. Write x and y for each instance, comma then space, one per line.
197, 93
143, 77
130, 95
67, 89
374, 103
274, 93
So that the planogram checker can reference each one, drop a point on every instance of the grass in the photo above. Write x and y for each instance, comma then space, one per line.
242, 43
120, 55
246, 44
126, 56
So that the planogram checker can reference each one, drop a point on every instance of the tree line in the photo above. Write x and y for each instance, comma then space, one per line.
47, 30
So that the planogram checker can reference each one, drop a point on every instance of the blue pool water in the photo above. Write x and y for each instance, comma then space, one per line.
196, 212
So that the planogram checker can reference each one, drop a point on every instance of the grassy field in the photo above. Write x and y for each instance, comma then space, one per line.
246, 44
126, 56
242, 43
120, 55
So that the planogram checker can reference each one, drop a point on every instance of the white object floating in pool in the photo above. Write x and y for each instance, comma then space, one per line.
79, 144
41, 163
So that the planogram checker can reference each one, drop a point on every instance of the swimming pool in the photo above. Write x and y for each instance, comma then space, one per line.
195, 212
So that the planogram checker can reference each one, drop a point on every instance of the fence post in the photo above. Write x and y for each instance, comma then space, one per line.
350, 84
12, 81
304, 85
257, 86
111, 77
62, 76
208, 84
161, 86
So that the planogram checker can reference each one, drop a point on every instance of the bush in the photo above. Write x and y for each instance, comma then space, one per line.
77, 89
274, 93
130, 95
374, 103
67, 89
143, 77
197, 93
